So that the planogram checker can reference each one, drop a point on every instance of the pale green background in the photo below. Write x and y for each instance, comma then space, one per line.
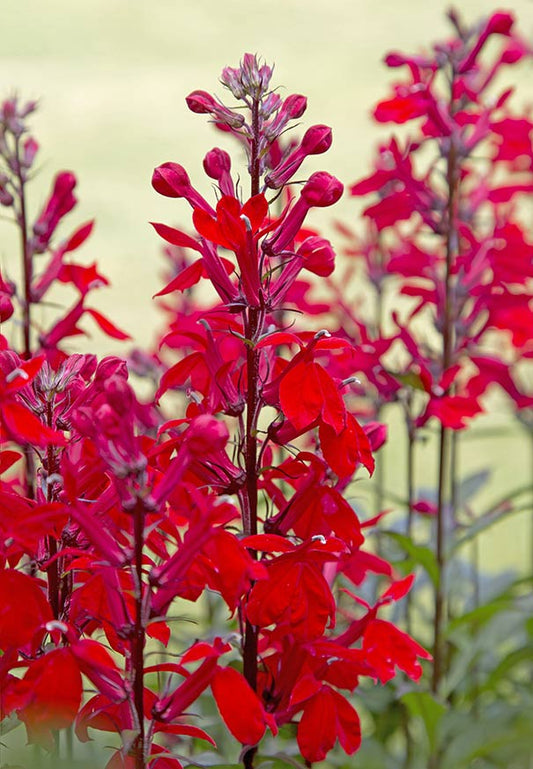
112, 75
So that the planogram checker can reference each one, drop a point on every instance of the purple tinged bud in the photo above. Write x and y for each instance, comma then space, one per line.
6, 198
231, 79
269, 105
6, 307
119, 395
294, 106
30, 150
200, 102
27, 108
317, 140
249, 79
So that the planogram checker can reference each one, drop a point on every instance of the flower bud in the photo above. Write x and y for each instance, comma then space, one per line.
294, 106
217, 165
205, 435
171, 180
216, 162
318, 255
30, 150
200, 102
6, 198
6, 307
316, 140
322, 189
119, 395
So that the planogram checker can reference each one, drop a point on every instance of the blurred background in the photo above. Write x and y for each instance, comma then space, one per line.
111, 77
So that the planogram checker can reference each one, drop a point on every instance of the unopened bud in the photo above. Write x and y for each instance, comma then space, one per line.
322, 189
294, 106
171, 180
316, 140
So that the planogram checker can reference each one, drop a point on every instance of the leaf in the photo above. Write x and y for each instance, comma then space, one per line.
485, 522
506, 665
480, 615
418, 554
410, 379
424, 705
470, 486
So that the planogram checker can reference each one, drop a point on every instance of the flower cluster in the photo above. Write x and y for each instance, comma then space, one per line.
112, 511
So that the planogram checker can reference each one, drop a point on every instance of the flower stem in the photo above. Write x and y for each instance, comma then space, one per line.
138, 639
27, 261
252, 322
27, 269
439, 651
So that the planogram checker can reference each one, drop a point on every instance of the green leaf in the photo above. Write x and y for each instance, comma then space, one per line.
419, 555
510, 661
485, 522
480, 615
470, 486
425, 706
410, 379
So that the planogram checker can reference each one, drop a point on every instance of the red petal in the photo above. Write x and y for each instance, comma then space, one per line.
78, 237
256, 210
176, 237
24, 427
343, 452
23, 608
239, 706
8, 459
106, 325
50, 694
187, 278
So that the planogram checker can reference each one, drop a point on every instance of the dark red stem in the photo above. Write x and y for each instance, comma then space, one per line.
138, 639
27, 261
252, 320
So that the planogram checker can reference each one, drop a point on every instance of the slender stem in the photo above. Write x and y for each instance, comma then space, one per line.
447, 350
27, 269
252, 320
27, 261
410, 473
53, 571
138, 638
